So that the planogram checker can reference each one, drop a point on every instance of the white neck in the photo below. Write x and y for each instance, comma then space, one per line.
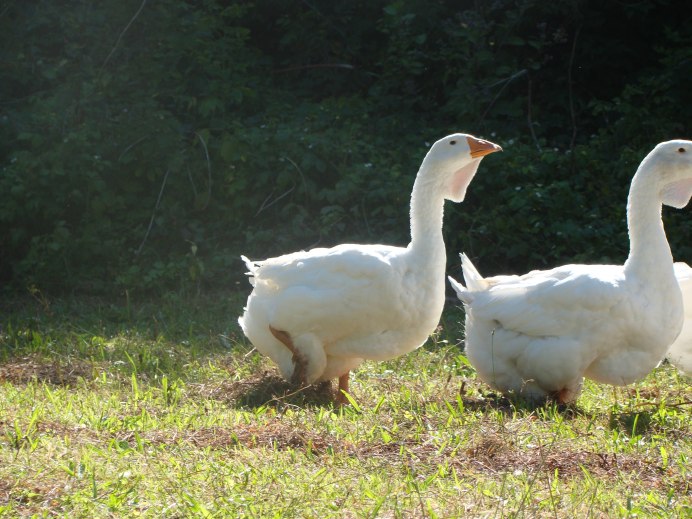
649, 249
427, 211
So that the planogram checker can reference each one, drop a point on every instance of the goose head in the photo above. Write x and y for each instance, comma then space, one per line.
671, 163
451, 163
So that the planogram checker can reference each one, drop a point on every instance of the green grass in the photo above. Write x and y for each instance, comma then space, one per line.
162, 409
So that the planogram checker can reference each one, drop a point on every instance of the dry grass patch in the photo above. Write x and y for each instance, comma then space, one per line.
60, 372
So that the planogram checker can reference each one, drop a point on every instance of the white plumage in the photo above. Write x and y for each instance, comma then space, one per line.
318, 314
539, 334
680, 352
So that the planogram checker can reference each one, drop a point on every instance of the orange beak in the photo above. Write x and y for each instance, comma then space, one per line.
481, 148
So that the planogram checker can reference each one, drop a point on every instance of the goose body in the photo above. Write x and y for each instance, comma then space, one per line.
539, 334
680, 352
319, 313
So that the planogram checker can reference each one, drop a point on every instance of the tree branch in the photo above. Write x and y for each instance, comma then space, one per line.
117, 42
153, 213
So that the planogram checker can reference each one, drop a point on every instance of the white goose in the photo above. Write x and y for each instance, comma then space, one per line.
539, 334
318, 314
680, 352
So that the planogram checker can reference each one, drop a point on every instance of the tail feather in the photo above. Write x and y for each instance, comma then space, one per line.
252, 268
474, 281
460, 290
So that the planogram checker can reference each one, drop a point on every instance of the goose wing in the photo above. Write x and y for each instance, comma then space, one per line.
345, 290
551, 303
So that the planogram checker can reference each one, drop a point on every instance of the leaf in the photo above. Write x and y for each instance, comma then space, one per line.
352, 401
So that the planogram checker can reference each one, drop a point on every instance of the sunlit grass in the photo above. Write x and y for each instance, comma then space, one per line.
163, 410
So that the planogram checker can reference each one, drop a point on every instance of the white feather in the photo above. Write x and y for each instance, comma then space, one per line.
353, 302
680, 352
539, 334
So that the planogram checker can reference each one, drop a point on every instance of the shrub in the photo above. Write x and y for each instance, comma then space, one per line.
146, 145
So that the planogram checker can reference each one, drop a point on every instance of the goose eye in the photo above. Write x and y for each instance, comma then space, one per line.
452, 142
681, 150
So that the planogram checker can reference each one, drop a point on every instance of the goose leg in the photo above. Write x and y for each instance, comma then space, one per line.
570, 392
562, 395
343, 386
299, 360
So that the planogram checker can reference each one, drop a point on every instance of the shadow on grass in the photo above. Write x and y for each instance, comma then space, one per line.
512, 405
151, 337
266, 389
172, 316
632, 423
270, 389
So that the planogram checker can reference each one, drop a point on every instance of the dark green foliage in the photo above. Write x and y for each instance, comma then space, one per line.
146, 145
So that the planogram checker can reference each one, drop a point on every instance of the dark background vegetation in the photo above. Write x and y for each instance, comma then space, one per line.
144, 145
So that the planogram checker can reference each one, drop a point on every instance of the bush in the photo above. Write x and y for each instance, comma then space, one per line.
146, 145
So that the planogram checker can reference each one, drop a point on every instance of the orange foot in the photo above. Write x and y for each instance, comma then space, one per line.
343, 386
563, 395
